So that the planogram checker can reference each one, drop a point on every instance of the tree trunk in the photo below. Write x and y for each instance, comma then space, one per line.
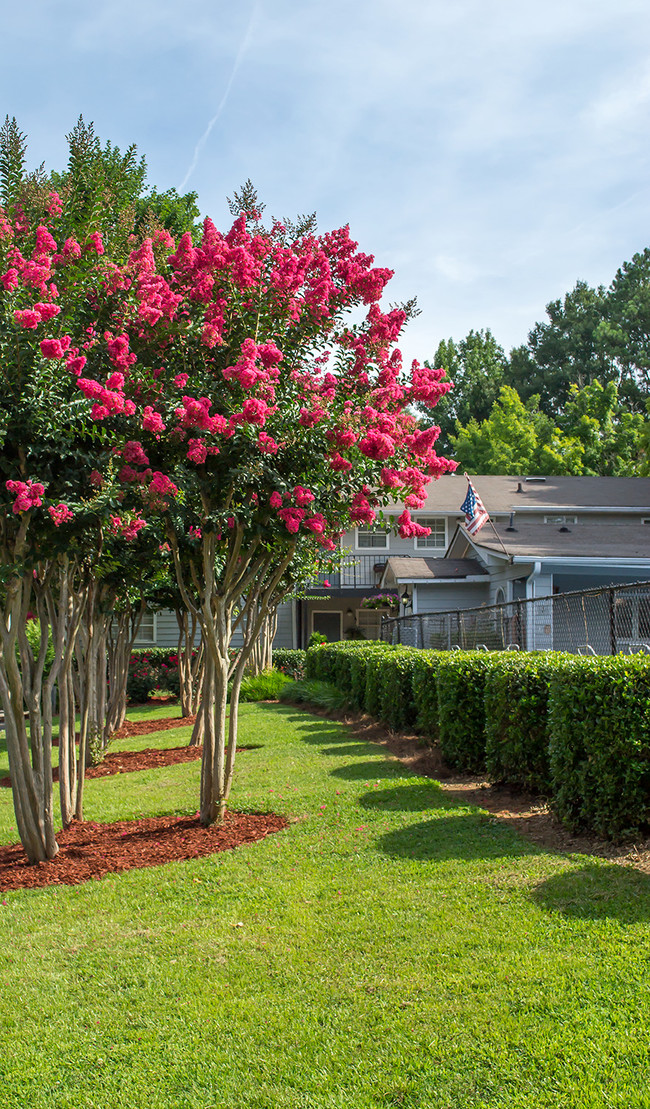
22, 687
121, 637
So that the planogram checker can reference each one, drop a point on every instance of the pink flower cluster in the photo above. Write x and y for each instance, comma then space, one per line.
60, 514
109, 398
28, 494
126, 529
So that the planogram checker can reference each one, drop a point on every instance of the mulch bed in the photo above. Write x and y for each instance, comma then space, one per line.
125, 762
95, 850
90, 850
146, 727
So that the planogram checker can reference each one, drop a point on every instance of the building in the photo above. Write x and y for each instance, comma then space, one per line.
547, 535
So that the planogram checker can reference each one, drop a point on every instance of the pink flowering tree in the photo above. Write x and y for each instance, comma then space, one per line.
261, 416
60, 495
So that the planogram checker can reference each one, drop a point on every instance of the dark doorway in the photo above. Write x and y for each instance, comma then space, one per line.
328, 624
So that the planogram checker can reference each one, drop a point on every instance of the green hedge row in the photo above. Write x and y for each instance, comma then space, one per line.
290, 662
575, 729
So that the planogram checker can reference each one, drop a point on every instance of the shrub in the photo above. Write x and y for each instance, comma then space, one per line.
599, 715
265, 686
321, 660
461, 708
516, 721
289, 662
313, 692
357, 663
143, 677
425, 694
396, 700
374, 664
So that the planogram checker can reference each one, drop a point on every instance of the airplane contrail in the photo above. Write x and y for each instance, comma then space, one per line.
206, 134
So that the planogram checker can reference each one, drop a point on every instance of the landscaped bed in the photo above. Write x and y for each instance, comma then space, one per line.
392, 946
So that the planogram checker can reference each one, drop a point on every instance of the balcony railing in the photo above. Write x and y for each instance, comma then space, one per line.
359, 571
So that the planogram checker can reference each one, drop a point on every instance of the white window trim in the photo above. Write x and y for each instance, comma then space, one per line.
560, 519
431, 516
370, 550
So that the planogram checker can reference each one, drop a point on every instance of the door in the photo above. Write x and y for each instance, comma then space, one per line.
328, 624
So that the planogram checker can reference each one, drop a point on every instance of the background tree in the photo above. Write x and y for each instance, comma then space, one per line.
624, 330
476, 366
568, 349
517, 438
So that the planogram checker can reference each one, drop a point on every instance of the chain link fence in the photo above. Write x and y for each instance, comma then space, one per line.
603, 621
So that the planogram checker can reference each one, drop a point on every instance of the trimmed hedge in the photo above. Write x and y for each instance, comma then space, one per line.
516, 721
599, 718
425, 694
576, 729
330, 662
397, 706
461, 678
290, 662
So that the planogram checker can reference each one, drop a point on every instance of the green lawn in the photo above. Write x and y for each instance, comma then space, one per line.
389, 948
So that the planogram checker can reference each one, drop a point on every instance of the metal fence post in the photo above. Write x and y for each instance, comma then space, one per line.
612, 620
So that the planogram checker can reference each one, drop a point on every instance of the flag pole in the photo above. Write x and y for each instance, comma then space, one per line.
496, 534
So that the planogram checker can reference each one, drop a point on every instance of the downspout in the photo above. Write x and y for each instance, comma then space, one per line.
530, 580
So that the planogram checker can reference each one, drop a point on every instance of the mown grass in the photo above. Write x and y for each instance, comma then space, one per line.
389, 948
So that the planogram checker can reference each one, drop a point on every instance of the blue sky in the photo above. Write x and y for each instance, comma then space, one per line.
491, 152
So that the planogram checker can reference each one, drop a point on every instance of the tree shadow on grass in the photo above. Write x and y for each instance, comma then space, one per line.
464, 835
417, 797
606, 892
351, 749
370, 771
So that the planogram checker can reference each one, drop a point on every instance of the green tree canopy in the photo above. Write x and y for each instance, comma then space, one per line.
476, 365
569, 349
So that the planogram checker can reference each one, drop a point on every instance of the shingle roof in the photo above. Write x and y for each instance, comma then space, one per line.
433, 569
582, 540
502, 494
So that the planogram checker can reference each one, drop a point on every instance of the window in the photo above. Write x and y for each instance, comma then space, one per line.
437, 540
369, 621
561, 519
372, 539
632, 617
146, 636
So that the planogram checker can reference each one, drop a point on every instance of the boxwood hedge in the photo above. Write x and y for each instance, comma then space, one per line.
461, 677
516, 721
599, 743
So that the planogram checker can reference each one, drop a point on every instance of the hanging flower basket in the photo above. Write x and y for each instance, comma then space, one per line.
382, 600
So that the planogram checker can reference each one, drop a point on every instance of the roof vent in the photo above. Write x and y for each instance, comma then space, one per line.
564, 528
535, 480
520, 487
511, 524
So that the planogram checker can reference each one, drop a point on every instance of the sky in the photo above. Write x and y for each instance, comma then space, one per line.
490, 152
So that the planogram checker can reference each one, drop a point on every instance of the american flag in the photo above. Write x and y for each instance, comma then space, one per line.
475, 514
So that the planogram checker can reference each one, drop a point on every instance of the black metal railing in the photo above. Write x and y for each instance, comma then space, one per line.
603, 621
355, 572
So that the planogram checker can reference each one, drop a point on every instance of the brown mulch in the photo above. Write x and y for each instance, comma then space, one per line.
90, 850
527, 813
146, 727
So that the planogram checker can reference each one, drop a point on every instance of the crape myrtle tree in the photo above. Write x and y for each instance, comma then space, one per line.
58, 492
265, 405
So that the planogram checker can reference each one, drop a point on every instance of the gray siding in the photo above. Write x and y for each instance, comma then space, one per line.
166, 629
439, 598
284, 636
